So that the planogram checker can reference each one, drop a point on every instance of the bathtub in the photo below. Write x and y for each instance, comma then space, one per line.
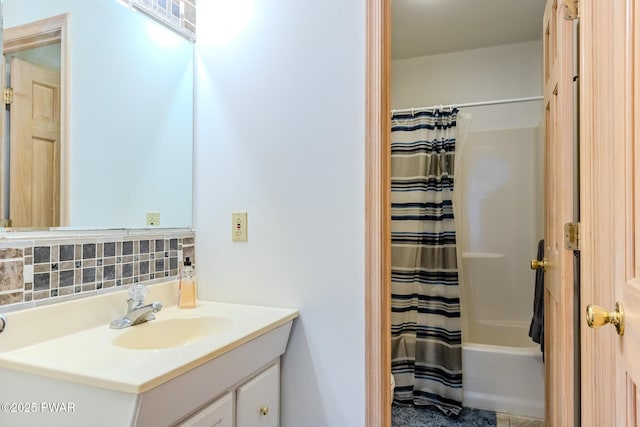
502, 367
501, 378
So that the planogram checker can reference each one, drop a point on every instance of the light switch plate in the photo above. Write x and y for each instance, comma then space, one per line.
153, 218
239, 226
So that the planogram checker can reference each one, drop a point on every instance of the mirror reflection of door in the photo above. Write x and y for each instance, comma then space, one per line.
34, 137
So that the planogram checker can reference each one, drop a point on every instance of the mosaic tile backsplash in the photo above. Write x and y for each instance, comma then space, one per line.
46, 270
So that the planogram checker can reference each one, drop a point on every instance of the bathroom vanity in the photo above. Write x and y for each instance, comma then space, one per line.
217, 364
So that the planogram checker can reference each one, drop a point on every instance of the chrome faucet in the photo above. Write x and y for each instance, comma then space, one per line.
137, 311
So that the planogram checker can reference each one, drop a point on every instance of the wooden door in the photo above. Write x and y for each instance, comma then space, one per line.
559, 192
34, 195
610, 207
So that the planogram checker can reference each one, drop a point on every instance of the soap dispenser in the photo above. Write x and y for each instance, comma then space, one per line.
187, 287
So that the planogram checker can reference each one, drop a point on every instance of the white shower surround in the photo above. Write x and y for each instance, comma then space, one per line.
497, 213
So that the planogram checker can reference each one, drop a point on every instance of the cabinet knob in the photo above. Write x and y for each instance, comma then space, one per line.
264, 410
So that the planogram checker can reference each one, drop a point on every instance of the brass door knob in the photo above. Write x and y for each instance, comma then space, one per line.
539, 265
264, 410
598, 316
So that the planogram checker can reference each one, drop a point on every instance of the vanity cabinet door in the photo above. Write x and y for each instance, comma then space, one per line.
217, 414
259, 400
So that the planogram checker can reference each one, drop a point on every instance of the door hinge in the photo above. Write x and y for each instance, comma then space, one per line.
571, 9
572, 236
7, 95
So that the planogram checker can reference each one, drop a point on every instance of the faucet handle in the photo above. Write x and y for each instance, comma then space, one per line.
138, 292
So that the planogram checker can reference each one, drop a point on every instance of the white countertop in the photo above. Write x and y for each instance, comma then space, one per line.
88, 356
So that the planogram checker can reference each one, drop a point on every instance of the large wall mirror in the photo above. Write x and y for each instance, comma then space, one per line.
106, 136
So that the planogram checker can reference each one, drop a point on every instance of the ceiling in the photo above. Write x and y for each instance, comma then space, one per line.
430, 27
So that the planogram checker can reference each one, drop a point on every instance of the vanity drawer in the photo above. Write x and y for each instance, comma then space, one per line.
217, 414
259, 400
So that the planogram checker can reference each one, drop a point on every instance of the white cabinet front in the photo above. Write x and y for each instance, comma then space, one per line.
259, 400
217, 414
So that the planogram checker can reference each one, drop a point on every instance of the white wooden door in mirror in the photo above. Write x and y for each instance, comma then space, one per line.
34, 145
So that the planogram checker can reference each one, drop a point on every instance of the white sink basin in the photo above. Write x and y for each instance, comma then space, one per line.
168, 333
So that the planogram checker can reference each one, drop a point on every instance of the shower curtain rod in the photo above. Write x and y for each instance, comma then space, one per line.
470, 104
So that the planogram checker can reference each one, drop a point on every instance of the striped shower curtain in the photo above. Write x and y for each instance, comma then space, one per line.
426, 328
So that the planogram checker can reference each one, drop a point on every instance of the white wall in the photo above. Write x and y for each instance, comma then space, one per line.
500, 72
280, 133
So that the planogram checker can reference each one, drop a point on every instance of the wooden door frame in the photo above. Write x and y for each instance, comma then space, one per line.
377, 215
37, 34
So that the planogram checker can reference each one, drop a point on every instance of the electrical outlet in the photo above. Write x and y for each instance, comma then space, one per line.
153, 218
239, 226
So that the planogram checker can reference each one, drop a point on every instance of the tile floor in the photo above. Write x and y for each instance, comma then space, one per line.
505, 420
409, 416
